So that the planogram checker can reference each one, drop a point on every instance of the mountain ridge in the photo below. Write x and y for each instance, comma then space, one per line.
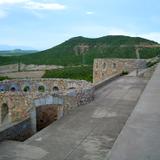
82, 50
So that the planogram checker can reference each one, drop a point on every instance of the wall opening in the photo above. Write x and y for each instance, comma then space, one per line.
46, 115
26, 89
41, 89
55, 89
13, 89
4, 113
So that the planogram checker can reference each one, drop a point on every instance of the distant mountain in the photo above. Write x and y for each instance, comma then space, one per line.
16, 52
9, 47
81, 50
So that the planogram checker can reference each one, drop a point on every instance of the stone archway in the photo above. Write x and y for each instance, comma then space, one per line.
46, 115
45, 111
4, 113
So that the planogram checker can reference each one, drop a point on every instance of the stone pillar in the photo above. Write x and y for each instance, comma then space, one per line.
33, 118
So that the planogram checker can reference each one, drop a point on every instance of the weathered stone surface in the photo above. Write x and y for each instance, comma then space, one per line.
22, 104
105, 68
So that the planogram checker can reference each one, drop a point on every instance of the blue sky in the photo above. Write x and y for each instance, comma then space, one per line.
42, 24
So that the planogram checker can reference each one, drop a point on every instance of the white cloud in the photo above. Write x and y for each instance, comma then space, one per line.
30, 4
43, 6
11, 1
89, 12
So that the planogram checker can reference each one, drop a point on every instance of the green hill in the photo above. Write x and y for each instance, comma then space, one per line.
80, 50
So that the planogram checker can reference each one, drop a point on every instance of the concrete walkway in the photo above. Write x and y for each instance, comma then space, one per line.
88, 132
140, 138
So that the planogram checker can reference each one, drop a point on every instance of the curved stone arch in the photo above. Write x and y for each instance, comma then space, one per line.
14, 88
41, 87
4, 114
26, 87
55, 89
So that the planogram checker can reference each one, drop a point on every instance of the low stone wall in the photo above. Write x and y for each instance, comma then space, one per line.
13, 108
49, 85
105, 68
106, 81
19, 132
16, 106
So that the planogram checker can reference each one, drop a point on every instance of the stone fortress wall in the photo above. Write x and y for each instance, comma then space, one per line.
30, 105
40, 100
42, 85
106, 68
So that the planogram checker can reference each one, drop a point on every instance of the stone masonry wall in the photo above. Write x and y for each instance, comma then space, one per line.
105, 68
21, 105
49, 85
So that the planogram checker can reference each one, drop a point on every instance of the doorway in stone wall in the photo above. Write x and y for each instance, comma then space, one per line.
46, 115
4, 113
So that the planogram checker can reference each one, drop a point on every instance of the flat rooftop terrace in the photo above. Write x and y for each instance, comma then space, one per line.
86, 133
140, 138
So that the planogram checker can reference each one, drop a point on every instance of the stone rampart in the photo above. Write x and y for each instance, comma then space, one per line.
19, 100
42, 85
105, 68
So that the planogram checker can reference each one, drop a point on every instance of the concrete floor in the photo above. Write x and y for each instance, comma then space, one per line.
140, 137
86, 133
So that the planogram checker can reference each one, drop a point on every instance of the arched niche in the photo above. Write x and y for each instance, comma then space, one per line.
55, 89
14, 88
41, 88
4, 113
26, 88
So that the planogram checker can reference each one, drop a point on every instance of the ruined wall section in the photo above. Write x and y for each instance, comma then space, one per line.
105, 68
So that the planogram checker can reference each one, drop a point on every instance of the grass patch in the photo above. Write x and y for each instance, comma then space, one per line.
3, 78
78, 73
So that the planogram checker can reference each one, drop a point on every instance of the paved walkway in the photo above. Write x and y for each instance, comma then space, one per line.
88, 132
140, 138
